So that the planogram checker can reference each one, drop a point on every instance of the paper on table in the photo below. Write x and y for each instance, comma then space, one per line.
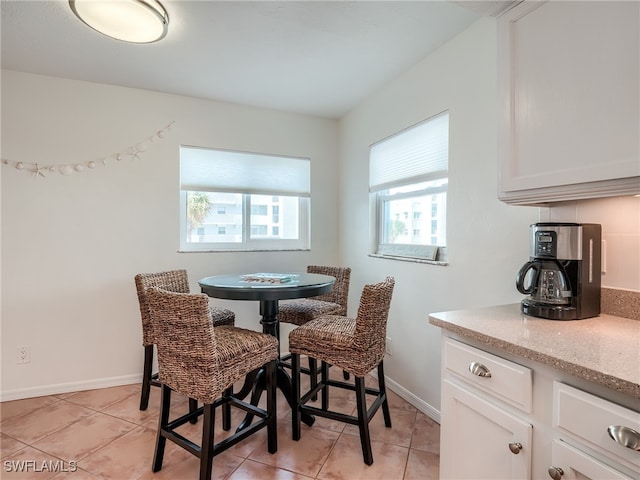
268, 277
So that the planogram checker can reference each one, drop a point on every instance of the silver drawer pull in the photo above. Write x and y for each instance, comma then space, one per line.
515, 447
555, 472
479, 369
625, 436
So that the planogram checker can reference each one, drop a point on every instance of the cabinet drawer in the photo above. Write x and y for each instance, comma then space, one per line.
588, 418
578, 465
502, 378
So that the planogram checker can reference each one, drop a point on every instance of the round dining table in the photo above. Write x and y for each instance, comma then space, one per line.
268, 289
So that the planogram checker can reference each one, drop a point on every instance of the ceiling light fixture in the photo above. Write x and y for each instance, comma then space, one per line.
136, 21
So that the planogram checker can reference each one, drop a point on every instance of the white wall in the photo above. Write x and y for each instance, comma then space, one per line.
620, 220
487, 240
71, 245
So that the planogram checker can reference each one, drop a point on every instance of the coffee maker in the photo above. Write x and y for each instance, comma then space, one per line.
562, 276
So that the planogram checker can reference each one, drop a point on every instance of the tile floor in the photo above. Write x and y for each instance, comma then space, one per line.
101, 434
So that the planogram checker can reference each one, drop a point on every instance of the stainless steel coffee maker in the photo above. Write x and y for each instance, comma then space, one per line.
562, 276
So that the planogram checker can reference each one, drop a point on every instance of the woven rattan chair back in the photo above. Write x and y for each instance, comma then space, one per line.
172, 281
371, 320
187, 359
340, 292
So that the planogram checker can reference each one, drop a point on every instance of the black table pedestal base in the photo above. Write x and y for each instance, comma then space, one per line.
257, 384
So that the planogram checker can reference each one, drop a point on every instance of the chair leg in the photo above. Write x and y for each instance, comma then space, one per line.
295, 386
363, 421
313, 375
161, 440
193, 406
226, 410
206, 450
146, 377
324, 376
272, 426
383, 391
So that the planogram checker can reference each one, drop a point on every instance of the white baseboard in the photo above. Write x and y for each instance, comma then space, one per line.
20, 393
405, 394
417, 402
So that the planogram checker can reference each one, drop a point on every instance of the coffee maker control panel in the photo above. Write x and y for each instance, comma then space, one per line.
545, 244
557, 241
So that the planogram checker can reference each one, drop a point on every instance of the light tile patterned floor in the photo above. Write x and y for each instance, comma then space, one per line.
103, 435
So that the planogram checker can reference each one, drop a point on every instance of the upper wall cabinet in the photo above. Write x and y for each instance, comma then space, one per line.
569, 90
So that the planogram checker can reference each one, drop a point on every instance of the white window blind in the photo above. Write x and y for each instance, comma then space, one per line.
417, 154
210, 170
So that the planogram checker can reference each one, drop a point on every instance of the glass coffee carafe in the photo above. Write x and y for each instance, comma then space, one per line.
548, 283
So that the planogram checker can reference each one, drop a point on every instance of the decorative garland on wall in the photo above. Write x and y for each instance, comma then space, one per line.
133, 152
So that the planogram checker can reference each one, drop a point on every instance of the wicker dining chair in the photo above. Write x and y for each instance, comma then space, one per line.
172, 281
202, 362
355, 345
303, 310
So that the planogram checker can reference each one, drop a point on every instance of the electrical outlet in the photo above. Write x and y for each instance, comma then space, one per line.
24, 354
389, 346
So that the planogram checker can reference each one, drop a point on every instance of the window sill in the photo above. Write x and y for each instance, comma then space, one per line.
246, 250
410, 259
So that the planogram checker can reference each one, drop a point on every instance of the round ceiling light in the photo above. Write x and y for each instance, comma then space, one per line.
136, 21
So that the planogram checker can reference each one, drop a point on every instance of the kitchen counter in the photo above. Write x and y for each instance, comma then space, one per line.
604, 350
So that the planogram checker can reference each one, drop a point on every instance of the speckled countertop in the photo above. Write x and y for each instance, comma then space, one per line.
604, 350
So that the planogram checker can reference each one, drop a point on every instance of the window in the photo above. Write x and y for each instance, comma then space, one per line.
259, 209
408, 179
226, 198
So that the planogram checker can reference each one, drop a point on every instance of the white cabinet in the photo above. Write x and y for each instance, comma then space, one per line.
570, 101
597, 438
508, 417
488, 443
481, 438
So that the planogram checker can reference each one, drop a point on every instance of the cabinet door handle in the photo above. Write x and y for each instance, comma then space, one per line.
555, 472
625, 436
479, 369
515, 447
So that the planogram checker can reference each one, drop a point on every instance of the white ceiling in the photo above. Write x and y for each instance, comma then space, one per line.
319, 58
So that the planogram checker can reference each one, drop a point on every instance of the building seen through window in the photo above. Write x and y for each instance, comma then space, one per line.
243, 201
222, 221
417, 219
